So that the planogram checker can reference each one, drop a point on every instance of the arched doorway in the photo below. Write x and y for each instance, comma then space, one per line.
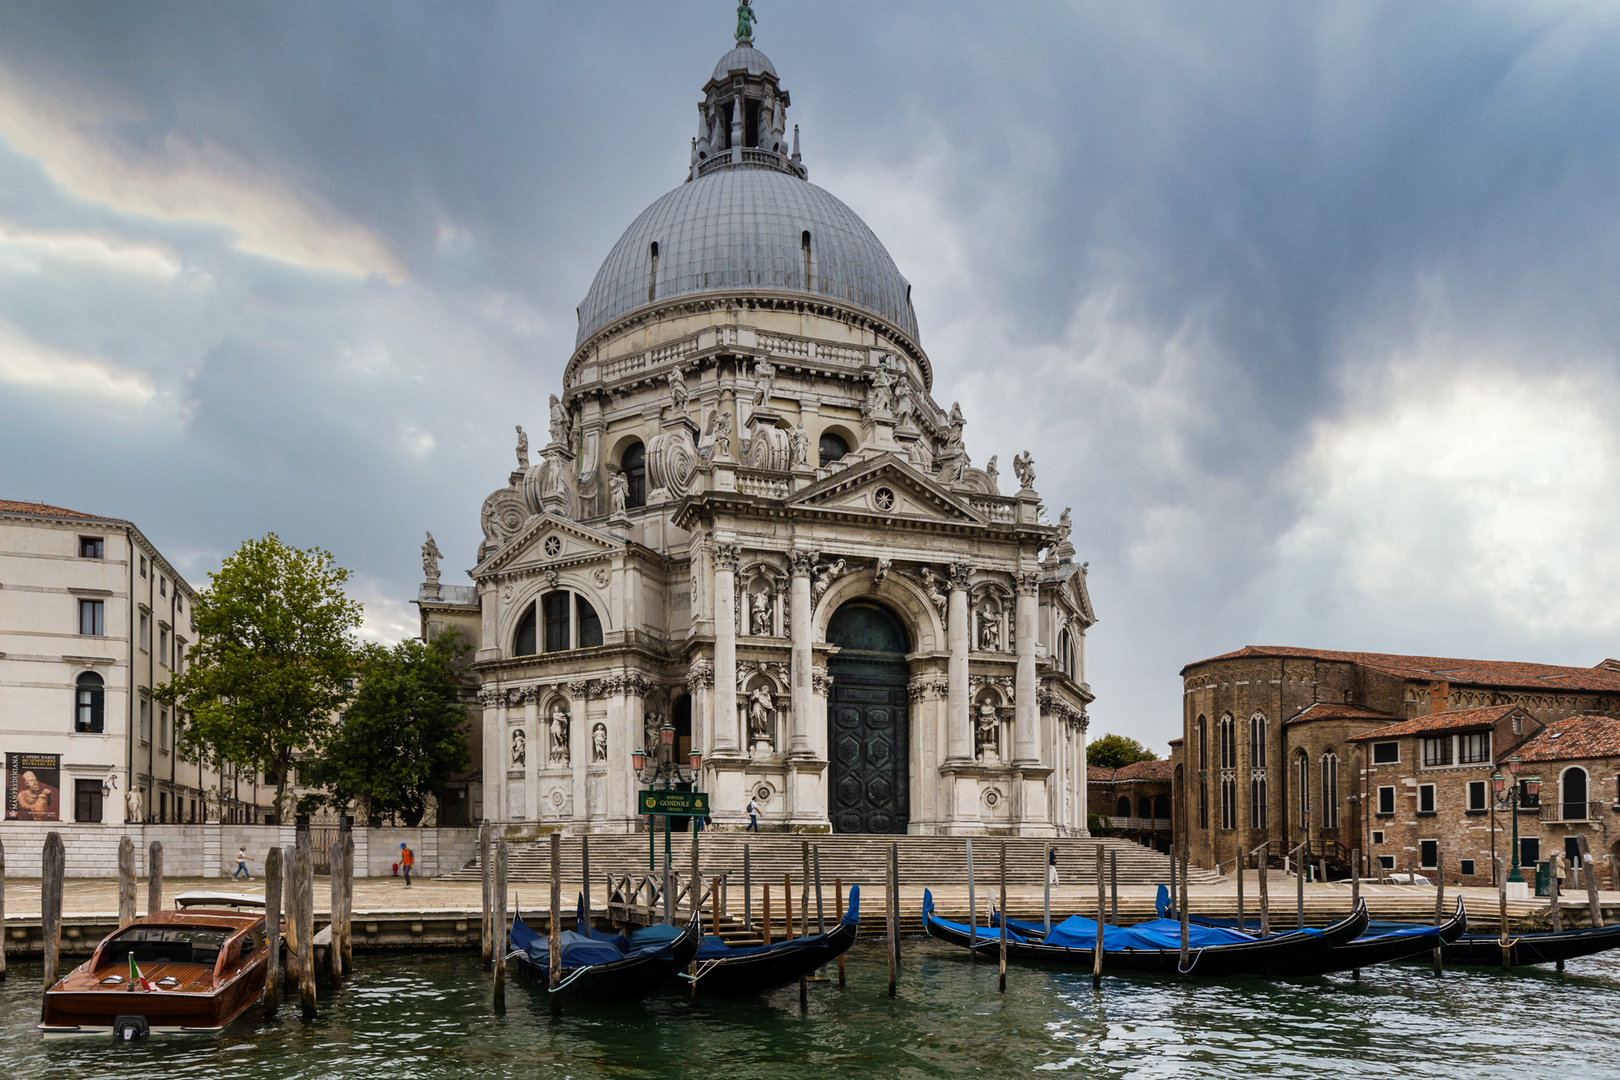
868, 721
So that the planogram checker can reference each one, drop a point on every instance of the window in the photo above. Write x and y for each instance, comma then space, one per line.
146, 632
1228, 744
1122, 808
146, 722
1302, 774
163, 586
1572, 794
92, 618
1386, 802
1228, 802
1065, 660
1429, 854
524, 643
555, 610
1161, 807
634, 464
652, 272
87, 801
1437, 752
163, 646
1257, 799
1386, 753
163, 730
88, 707
1257, 741
1529, 850
163, 806
804, 249
1473, 748
143, 566
1466, 867
1203, 802
831, 448
1476, 797
1203, 744
590, 627
91, 547
1330, 790
1378, 836
1387, 861
1425, 799
179, 654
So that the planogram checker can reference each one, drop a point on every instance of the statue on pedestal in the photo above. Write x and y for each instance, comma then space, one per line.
522, 448
988, 734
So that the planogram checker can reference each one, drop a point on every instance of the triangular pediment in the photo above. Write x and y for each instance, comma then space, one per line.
887, 487
549, 540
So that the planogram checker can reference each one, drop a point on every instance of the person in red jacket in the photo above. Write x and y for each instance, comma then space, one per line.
406, 861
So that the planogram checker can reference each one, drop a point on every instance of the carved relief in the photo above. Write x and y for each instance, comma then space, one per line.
825, 575
672, 461
770, 448
931, 583
503, 514
726, 556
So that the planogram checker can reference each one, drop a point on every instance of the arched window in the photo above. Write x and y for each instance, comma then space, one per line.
1203, 744
1573, 794
1257, 771
1257, 741
1228, 772
1122, 808
1302, 776
1228, 743
89, 704
1065, 653
1330, 790
804, 246
554, 608
590, 627
832, 447
523, 644
560, 620
634, 464
1144, 807
1161, 807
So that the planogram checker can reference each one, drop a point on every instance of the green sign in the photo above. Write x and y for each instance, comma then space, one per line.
674, 803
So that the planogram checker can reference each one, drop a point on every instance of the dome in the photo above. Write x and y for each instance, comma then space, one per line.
743, 228
744, 58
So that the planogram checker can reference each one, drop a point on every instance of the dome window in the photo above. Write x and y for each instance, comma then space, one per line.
804, 246
634, 464
832, 447
652, 273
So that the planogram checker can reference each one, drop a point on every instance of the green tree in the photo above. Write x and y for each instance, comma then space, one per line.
274, 659
402, 736
1116, 752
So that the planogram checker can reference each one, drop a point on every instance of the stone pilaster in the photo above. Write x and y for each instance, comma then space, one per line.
1026, 714
726, 737
959, 730
801, 634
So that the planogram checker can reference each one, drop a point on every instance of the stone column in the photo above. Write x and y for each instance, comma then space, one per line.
799, 605
958, 730
726, 738
1026, 714
535, 750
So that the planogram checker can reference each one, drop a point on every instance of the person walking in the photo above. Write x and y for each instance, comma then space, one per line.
1051, 866
406, 861
241, 865
753, 815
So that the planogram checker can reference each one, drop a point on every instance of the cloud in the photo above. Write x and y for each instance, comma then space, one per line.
28, 363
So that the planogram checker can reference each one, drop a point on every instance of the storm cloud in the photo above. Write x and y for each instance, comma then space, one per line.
1307, 310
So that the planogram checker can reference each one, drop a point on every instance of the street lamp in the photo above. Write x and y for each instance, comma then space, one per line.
654, 765
1532, 789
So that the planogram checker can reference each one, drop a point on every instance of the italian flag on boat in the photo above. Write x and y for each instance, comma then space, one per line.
135, 976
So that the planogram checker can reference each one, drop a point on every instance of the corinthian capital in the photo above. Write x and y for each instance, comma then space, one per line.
960, 572
726, 556
1029, 582
803, 562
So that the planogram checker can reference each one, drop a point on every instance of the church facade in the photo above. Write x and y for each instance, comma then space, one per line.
751, 522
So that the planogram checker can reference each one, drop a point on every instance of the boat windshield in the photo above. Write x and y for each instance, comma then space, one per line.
164, 945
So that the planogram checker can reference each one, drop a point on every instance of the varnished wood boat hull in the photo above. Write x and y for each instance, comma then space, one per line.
95, 1012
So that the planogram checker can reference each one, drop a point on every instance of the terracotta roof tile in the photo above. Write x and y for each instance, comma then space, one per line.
1145, 770
1575, 737
33, 509
1323, 710
1097, 772
1502, 673
1451, 720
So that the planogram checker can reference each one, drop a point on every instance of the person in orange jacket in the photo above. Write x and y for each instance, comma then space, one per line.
406, 861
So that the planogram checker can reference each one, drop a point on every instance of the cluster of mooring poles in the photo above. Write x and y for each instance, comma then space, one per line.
289, 915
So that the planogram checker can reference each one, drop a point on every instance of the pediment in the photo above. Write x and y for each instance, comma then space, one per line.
549, 540
886, 487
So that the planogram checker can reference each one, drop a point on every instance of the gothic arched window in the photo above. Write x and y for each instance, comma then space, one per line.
1330, 790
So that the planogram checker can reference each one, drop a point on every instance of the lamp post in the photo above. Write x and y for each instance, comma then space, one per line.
1509, 784
660, 765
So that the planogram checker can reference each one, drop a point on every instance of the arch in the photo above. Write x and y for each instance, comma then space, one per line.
868, 626
830, 446
1122, 808
89, 703
1144, 807
633, 463
1572, 794
1330, 790
924, 623
514, 614
525, 639
1161, 807
868, 728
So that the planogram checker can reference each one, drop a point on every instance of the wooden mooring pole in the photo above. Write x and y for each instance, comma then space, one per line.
2, 912
1355, 894
555, 930
1182, 905
348, 900
1265, 898
154, 877
486, 876
765, 914
973, 913
334, 926
1046, 891
304, 875
821, 910
1589, 871
52, 865
894, 916
1002, 971
272, 929
1554, 905
1439, 898
126, 881
1242, 857
696, 892
748, 892
289, 905
1113, 887
585, 877
498, 922
1097, 947
1502, 920
838, 901
1302, 859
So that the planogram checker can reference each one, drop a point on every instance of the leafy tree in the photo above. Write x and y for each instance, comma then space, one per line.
403, 735
273, 662
1116, 752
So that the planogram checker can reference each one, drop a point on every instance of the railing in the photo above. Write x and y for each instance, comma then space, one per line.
995, 510
1141, 823
785, 346
1571, 811
767, 485
750, 156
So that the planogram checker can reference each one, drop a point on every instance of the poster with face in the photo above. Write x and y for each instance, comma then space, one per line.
33, 787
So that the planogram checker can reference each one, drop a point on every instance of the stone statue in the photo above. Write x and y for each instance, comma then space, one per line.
651, 724
882, 394
430, 559
677, 388
718, 428
560, 423
987, 734
132, 804
760, 606
760, 710
989, 633
801, 444
745, 23
993, 473
599, 742
883, 568
931, 583
903, 405
1024, 467
764, 378
520, 747
958, 422
826, 574
559, 735
522, 448
619, 490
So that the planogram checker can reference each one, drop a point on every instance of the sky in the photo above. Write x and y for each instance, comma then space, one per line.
1308, 310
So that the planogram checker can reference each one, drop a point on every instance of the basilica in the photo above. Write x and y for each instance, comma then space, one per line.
749, 521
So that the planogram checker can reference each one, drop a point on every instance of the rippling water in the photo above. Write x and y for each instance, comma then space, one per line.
429, 1017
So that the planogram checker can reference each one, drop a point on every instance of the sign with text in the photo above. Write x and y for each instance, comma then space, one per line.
33, 787
674, 803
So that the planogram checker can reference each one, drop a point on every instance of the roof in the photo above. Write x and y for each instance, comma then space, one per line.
1097, 772
1574, 737
34, 509
1498, 673
1450, 720
1145, 770
1323, 710
743, 58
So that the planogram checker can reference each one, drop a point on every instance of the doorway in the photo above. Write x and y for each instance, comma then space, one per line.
868, 721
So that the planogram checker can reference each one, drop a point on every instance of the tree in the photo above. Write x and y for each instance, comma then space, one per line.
1116, 752
274, 659
402, 736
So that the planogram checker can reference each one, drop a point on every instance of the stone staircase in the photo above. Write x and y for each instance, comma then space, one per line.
937, 861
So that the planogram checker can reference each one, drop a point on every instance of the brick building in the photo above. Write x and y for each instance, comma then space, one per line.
1135, 800
1392, 755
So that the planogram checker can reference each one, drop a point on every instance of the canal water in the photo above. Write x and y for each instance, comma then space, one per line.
429, 1016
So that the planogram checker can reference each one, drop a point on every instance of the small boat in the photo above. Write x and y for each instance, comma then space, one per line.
1382, 945
1153, 946
733, 972
1485, 950
606, 968
193, 970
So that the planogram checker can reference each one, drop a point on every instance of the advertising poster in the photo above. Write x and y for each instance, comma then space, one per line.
33, 787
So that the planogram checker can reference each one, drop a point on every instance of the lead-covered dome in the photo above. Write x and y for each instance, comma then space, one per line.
748, 228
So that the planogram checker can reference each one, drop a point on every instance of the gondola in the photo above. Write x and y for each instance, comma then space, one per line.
1382, 945
731, 972
1154, 946
606, 968
1485, 950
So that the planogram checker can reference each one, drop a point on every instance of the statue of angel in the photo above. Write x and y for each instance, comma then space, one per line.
718, 430
430, 559
1024, 466
993, 473
826, 574
931, 582
801, 444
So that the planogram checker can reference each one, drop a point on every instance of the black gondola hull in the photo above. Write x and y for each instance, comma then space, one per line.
1485, 950
762, 972
1365, 953
630, 979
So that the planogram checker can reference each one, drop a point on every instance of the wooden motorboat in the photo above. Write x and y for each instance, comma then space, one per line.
192, 970
735, 972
